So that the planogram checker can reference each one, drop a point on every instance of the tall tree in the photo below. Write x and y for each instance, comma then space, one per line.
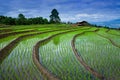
21, 16
54, 17
21, 20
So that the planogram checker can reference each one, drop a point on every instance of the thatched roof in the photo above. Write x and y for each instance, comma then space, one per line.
83, 23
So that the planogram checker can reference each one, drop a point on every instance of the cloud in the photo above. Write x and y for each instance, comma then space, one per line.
94, 16
88, 17
28, 13
70, 10
12, 14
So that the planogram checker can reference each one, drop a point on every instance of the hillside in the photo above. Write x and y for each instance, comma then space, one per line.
59, 52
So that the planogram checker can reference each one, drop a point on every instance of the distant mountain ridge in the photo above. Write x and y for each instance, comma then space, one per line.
112, 23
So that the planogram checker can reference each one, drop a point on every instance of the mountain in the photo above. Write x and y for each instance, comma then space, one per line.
112, 24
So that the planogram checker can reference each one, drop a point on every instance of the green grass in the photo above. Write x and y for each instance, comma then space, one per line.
24, 27
116, 32
100, 54
8, 39
5, 41
21, 59
114, 38
57, 56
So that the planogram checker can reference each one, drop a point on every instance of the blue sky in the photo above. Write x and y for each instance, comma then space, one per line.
70, 10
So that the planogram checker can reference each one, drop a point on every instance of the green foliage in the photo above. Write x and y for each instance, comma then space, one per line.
37, 20
21, 20
56, 55
7, 20
54, 18
99, 53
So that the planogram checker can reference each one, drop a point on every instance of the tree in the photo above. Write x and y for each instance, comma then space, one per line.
45, 21
21, 20
7, 20
54, 18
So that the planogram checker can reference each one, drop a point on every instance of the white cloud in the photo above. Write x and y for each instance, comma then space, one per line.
84, 15
73, 17
12, 14
92, 17
27, 13
73, 10
88, 17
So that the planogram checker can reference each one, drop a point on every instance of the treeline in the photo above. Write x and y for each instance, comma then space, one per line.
21, 20
107, 27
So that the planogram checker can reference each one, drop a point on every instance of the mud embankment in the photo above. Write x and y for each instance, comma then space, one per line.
41, 68
4, 52
80, 59
15, 33
111, 41
108, 32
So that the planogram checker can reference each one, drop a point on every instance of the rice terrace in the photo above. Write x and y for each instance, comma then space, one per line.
60, 40
59, 52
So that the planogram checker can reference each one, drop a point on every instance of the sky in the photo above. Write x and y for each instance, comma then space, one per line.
69, 10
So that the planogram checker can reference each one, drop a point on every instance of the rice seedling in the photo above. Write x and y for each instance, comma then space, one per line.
100, 54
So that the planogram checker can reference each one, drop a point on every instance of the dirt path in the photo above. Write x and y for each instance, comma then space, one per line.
80, 59
36, 61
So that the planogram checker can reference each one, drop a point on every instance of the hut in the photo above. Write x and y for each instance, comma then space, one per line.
83, 23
